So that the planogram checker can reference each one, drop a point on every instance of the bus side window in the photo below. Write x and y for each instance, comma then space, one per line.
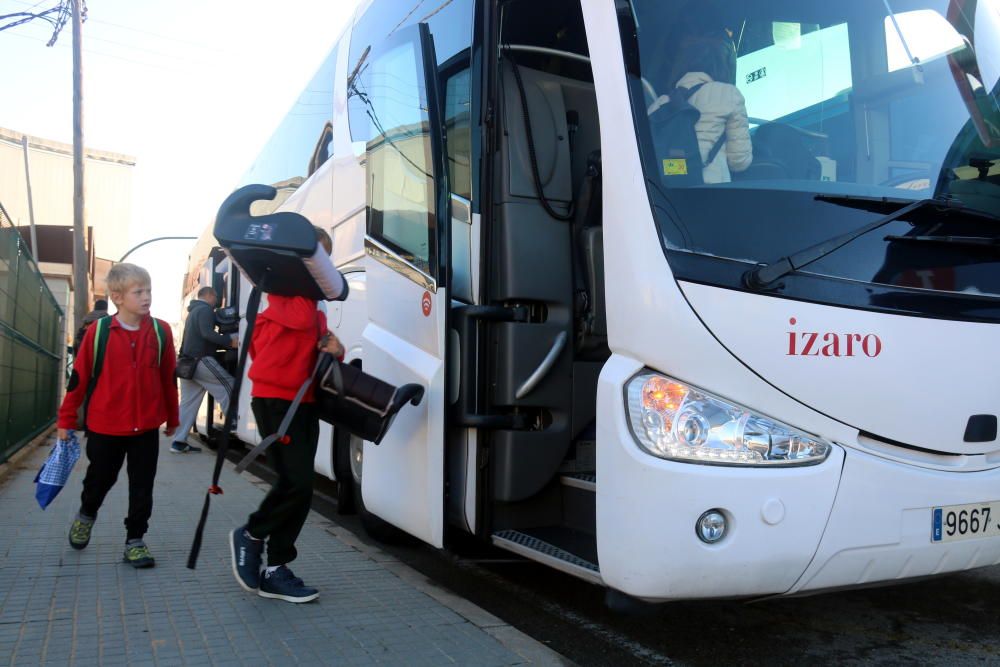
451, 26
321, 153
458, 126
400, 179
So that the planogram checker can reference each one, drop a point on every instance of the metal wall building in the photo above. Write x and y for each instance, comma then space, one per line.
35, 296
31, 349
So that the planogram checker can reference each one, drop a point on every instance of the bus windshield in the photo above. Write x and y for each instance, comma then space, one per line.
766, 126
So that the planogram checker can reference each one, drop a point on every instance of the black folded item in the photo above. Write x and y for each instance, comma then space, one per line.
277, 252
351, 399
186, 367
227, 320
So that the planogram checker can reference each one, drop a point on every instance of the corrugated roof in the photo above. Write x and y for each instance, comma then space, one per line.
37, 143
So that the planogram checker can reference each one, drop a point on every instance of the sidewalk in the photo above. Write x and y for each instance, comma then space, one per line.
59, 606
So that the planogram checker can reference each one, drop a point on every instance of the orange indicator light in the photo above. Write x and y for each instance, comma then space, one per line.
662, 395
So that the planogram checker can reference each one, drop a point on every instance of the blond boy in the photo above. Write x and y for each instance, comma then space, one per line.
134, 392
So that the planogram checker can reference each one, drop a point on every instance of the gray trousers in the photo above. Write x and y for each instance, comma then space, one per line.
209, 376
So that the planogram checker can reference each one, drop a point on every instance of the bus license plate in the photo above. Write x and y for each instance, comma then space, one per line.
962, 522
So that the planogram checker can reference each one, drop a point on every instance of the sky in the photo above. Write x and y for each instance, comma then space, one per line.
191, 88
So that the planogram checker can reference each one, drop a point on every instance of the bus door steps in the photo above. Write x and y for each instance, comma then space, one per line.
579, 501
559, 547
587, 481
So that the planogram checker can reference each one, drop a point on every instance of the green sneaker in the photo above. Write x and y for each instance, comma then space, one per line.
137, 554
79, 532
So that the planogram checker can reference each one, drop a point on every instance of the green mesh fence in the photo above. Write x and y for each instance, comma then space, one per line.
30, 344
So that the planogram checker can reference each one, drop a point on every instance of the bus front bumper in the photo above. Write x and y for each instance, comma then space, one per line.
881, 526
852, 520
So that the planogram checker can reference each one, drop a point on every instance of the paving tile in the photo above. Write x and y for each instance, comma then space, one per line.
59, 606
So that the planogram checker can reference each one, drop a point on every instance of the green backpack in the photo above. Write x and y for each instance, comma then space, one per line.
101, 335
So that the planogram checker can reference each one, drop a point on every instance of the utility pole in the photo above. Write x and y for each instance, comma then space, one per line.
81, 291
31, 204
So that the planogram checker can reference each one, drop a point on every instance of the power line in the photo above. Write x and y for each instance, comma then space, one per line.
133, 29
35, 5
54, 16
156, 34
144, 50
108, 55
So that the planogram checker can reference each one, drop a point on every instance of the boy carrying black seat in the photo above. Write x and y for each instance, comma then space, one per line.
286, 341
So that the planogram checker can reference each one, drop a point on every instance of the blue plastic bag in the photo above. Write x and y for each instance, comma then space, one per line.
55, 471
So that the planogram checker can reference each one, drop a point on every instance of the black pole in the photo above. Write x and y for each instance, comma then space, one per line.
158, 238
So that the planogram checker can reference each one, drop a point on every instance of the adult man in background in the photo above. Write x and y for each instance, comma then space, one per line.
200, 341
100, 310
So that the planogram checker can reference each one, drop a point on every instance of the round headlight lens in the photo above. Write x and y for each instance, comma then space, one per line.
692, 428
711, 526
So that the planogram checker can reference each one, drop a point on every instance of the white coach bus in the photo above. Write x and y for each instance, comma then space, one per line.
782, 381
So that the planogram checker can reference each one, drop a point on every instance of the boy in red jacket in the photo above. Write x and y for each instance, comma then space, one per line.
284, 348
135, 393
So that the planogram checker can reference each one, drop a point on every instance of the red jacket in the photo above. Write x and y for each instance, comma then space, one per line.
134, 393
283, 347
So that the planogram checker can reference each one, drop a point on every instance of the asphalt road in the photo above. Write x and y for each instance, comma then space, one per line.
952, 620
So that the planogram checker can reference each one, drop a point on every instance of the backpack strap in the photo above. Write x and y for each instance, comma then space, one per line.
719, 143
286, 421
686, 93
158, 329
101, 334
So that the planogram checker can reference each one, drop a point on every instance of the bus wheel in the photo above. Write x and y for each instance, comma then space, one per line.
375, 527
342, 470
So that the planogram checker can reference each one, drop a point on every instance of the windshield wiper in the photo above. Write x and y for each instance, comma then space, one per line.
886, 205
918, 69
764, 275
978, 242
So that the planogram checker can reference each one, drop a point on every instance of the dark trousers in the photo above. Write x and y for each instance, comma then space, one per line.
106, 454
283, 511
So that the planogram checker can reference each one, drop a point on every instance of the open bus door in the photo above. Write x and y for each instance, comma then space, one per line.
407, 249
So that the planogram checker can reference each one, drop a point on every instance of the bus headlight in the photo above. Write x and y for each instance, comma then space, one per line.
672, 420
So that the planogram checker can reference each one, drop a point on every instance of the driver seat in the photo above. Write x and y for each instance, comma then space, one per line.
780, 152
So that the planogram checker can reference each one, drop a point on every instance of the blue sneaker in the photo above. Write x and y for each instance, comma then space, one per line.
283, 585
245, 552
183, 448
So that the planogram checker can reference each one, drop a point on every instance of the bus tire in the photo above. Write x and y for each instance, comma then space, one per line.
342, 470
377, 528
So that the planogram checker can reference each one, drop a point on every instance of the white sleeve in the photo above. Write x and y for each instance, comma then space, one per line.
326, 275
739, 149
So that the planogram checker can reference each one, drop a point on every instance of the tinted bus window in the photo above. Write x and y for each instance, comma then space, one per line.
285, 159
400, 172
450, 23
457, 121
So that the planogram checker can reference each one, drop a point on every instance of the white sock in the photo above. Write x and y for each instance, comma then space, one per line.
269, 570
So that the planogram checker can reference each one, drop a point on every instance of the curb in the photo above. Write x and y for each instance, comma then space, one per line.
533, 651
13, 463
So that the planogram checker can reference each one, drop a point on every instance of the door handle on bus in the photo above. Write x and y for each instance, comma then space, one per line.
493, 313
543, 368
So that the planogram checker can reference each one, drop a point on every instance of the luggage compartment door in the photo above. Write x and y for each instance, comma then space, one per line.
407, 251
